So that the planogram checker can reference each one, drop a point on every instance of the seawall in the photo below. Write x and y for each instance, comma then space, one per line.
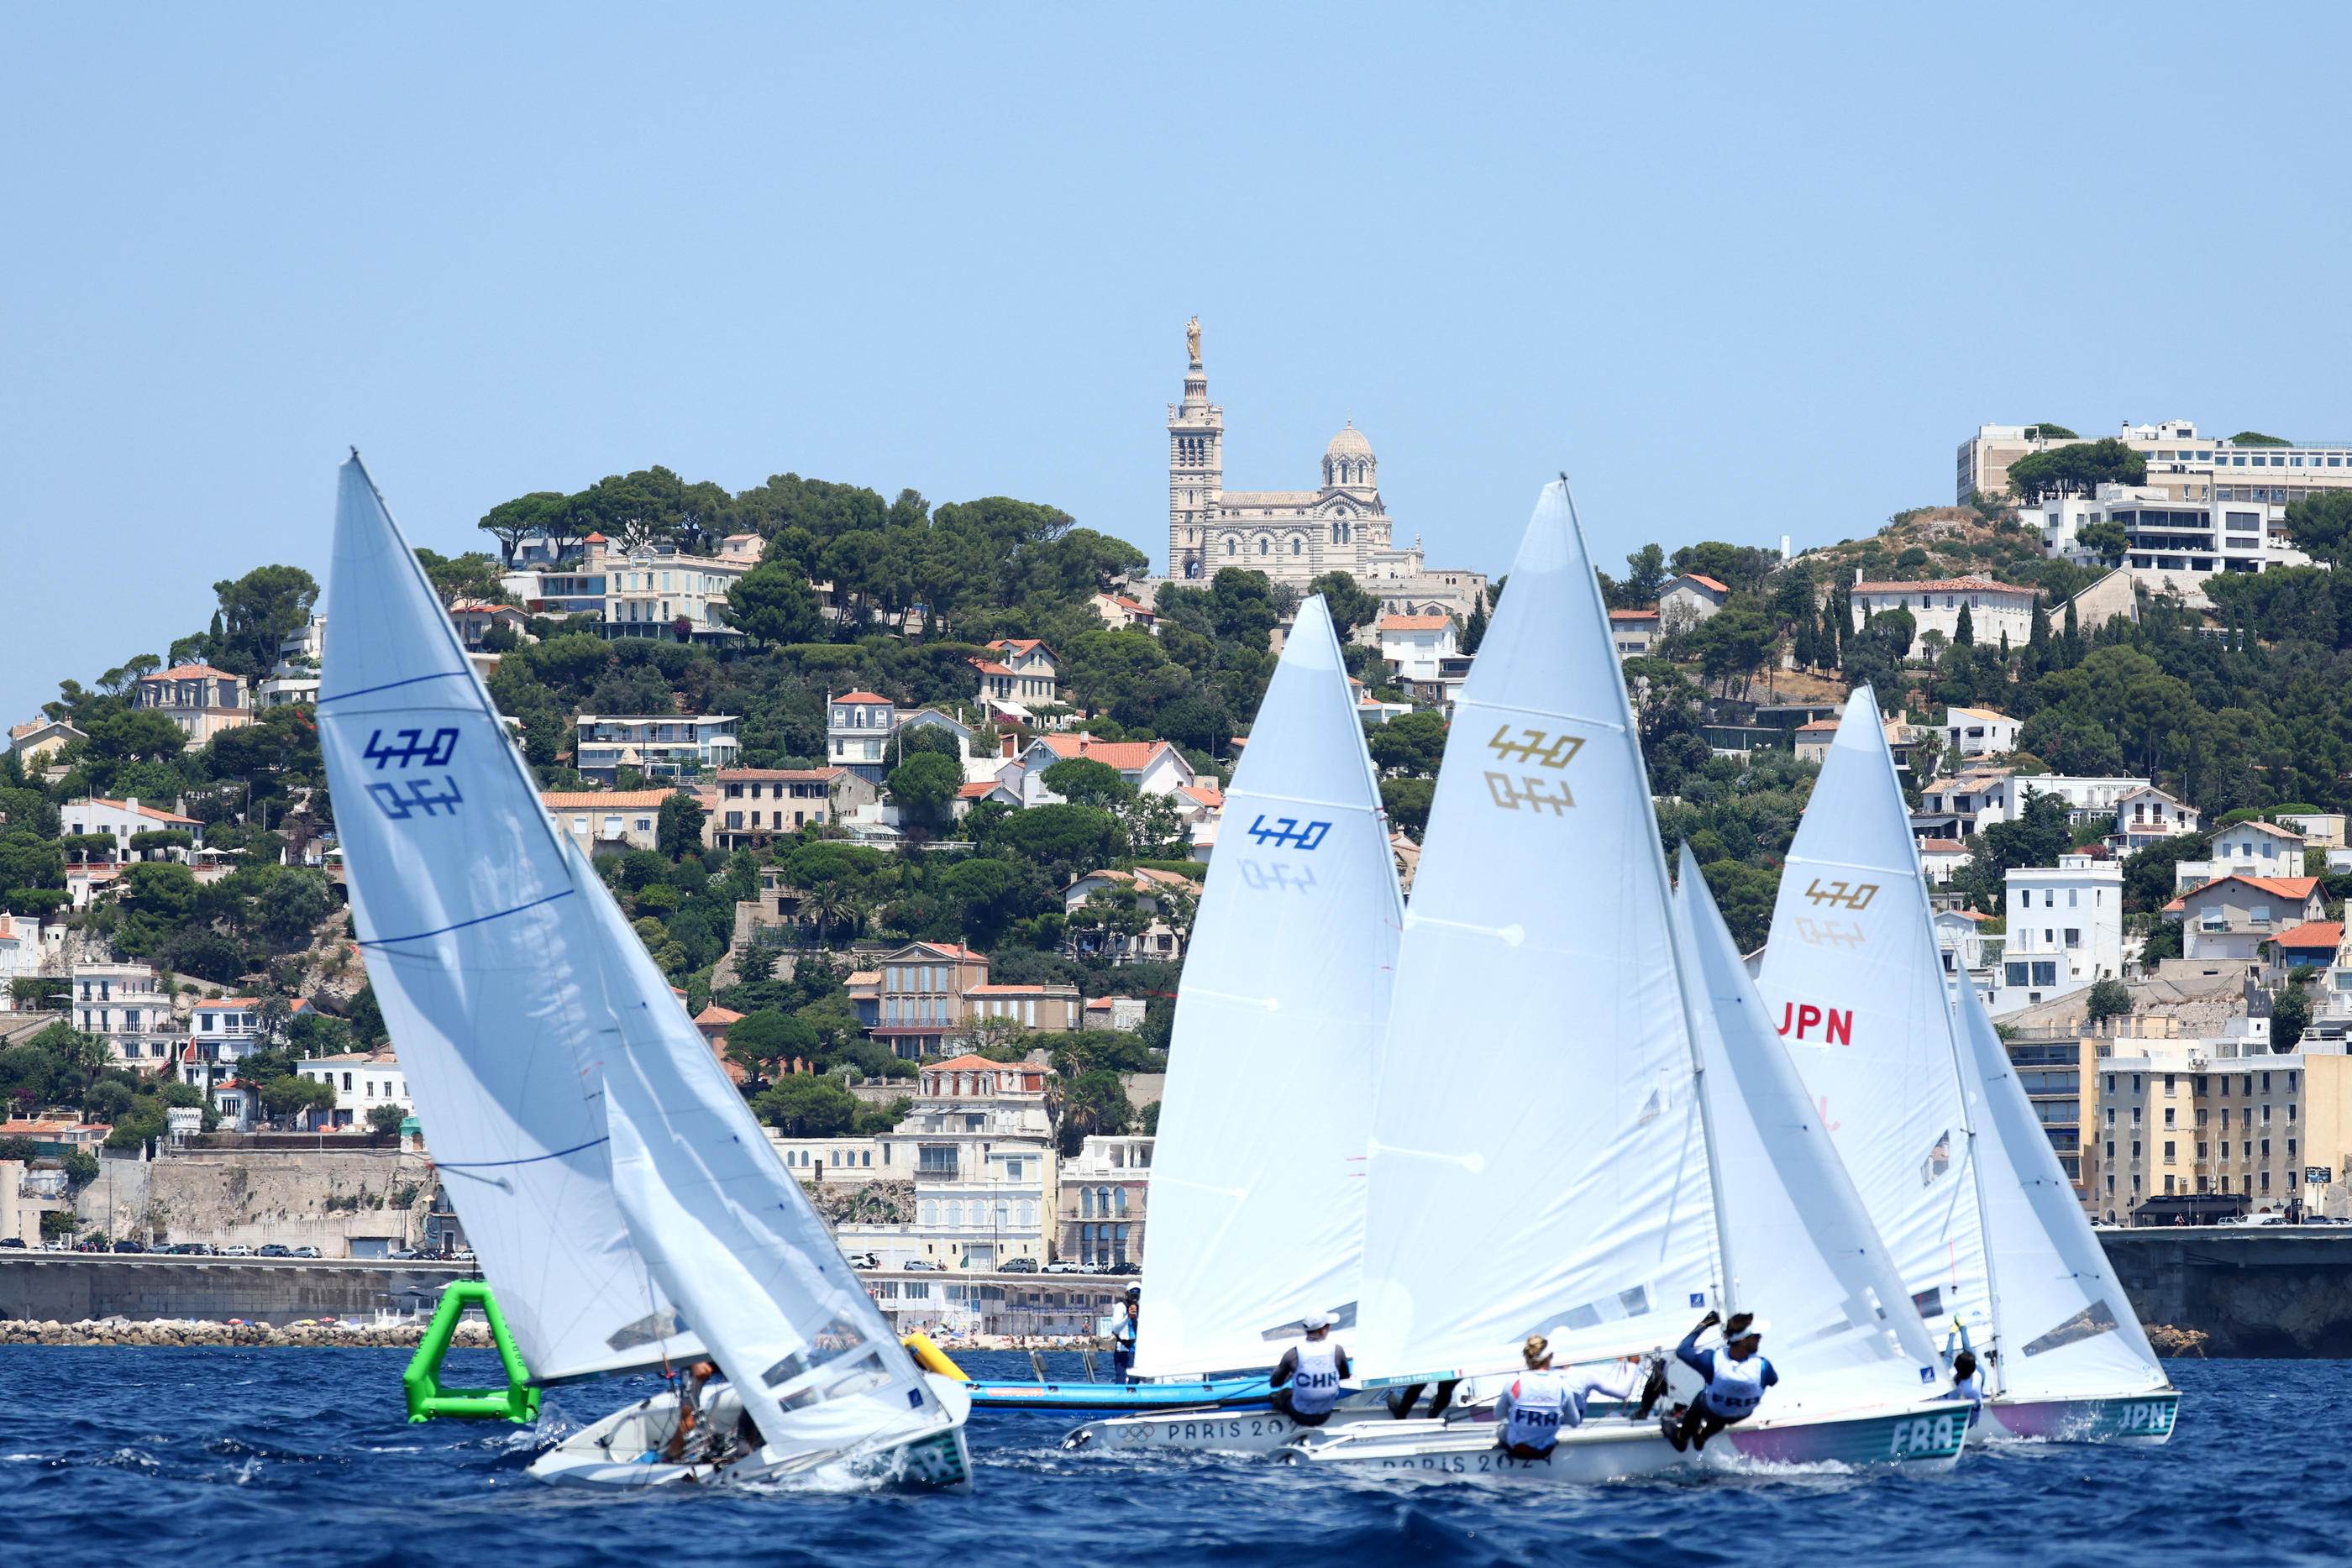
78, 1287
2252, 1290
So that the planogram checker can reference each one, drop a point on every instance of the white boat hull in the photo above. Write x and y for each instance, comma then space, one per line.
2144, 1418
625, 1451
1927, 1436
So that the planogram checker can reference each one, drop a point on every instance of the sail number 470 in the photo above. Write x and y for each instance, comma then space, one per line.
1539, 749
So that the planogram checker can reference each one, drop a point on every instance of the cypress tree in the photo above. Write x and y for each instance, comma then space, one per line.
2039, 638
1965, 633
1475, 631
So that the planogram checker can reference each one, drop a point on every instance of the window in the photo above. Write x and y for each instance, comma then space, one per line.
2074, 937
2045, 974
2168, 1114
2015, 975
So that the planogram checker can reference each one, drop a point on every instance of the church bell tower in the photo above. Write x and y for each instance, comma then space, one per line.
1196, 466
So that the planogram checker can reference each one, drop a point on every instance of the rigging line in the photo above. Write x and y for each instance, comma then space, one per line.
500, 1164
501, 914
388, 685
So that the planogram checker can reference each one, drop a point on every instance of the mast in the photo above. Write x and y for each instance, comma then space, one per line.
1727, 1278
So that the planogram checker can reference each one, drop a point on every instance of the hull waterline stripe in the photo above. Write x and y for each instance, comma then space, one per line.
501, 914
388, 685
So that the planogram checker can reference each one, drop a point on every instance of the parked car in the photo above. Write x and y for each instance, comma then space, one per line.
1020, 1266
864, 1261
919, 1266
190, 1249
273, 1251
11, 1242
403, 1253
1063, 1265
463, 1255
306, 1251
1126, 1268
126, 1246
239, 1251
95, 1244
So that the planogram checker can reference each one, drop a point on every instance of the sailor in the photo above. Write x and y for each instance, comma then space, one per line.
690, 1410
1967, 1384
1122, 1336
1529, 1415
1306, 1379
1737, 1376
1402, 1400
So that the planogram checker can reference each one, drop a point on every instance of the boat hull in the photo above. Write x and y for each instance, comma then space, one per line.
2144, 1418
1920, 1438
1192, 1393
623, 1452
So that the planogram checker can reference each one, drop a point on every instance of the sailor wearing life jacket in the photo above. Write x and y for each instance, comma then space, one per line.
1530, 1415
1737, 1376
1968, 1383
1306, 1379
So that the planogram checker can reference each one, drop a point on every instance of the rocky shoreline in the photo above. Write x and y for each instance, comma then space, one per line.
475, 1335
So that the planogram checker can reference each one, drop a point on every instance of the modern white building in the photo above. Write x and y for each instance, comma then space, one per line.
2065, 930
126, 820
1995, 609
1979, 731
1969, 956
2182, 464
2244, 849
22, 952
1968, 802
658, 745
2172, 545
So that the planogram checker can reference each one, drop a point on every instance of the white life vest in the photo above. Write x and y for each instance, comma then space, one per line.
1738, 1387
1315, 1387
1540, 1408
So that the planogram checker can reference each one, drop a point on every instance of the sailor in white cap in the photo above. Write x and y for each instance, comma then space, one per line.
1737, 1376
1306, 1379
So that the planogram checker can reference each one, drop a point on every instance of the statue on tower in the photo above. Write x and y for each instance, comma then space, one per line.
1192, 340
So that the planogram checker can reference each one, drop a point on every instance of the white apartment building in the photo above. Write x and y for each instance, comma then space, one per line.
1969, 802
362, 1080
2149, 816
1995, 609
2172, 545
2182, 465
2065, 930
1969, 956
844, 1157
22, 951
221, 1031
126, 1006
658, 745
657, 592
1416, 645
1979, 731
978, 1147
125, 819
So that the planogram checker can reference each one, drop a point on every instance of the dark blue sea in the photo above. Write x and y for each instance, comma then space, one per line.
301, 1457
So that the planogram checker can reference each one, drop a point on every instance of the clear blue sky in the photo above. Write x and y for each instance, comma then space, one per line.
1741, 271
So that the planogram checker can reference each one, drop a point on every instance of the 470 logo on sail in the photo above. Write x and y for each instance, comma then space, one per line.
1287, 834
1542, 749
403, 800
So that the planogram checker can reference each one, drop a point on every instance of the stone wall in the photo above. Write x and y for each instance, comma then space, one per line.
2251, 1290
79, 1288
254, 1198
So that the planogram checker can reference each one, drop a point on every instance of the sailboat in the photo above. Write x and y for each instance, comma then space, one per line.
1582, 1125
1258, 1179
1929, 1116
610, 1179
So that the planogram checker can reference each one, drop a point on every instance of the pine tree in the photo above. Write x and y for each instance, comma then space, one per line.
1964, 635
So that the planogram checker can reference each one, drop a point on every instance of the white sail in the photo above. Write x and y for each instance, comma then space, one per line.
2064, 1325
728, 1233
1853, 981
1802, 1250
1257, 1177
481, 950
1537, 1160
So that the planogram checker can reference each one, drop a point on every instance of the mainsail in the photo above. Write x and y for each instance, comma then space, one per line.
479, 943
1536, 1155
1258, 1179
1853, 981
2064, 1325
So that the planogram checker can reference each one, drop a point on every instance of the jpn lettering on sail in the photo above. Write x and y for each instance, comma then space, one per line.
1257, 1180
1537, 1151
476, 945
1853, 981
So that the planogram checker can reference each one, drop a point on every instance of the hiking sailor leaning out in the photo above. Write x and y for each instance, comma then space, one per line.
1306, 1379
1737, 1376
1530, 1415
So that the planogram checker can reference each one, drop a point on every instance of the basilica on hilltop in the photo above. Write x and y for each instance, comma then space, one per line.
1293, 536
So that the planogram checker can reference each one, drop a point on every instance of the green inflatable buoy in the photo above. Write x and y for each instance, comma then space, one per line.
517, 1402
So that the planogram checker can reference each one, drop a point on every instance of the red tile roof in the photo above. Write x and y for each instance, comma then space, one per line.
584, 799
1127, 756
717, 1015
1414, 622
189, 672
1708, 582
2327, 934
988, 667
2298, 888
145, 810
860, 697
749, 775
1633, 615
